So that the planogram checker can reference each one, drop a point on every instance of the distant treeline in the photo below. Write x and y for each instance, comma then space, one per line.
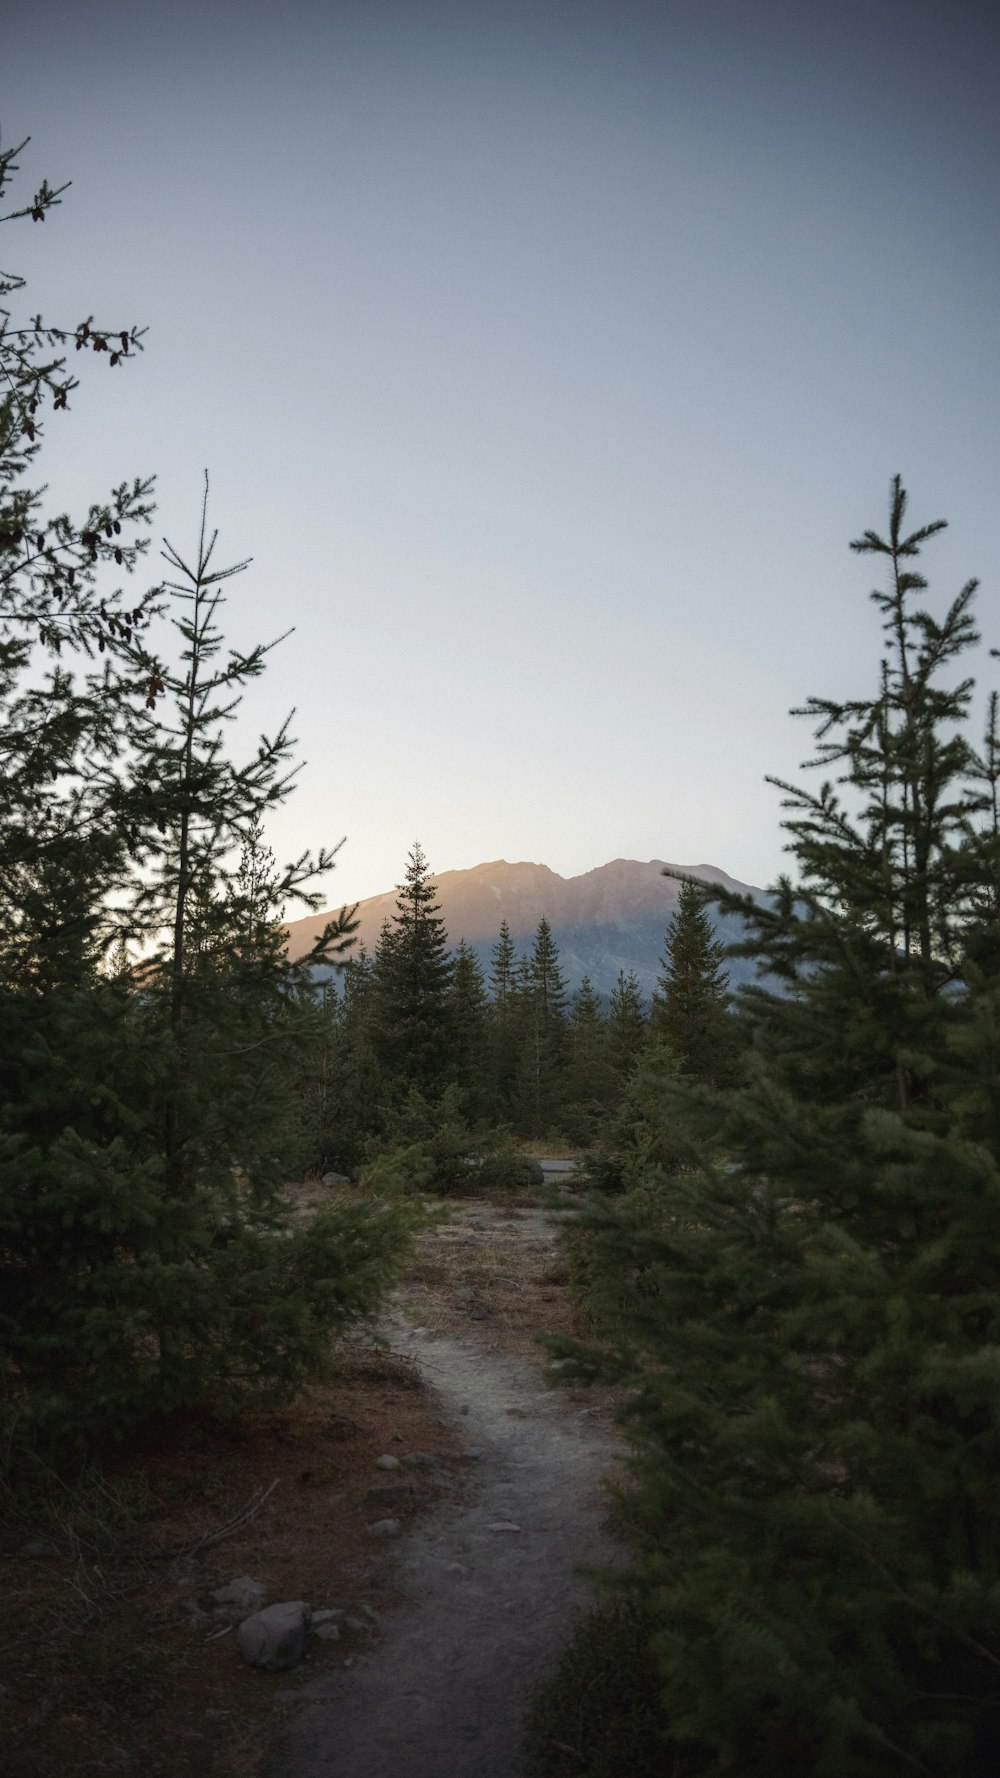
508, 1046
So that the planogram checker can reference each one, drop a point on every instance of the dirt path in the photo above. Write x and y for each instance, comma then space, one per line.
485, 1605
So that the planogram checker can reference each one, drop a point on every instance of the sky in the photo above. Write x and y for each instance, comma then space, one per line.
545, 359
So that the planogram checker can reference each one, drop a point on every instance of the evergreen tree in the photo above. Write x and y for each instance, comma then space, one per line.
415, 1038
627, 1030
504, 1026
468, 1017
590, 1081
540, 1086
355, 1094
810, 1325
502, 968
547, 984
146, 1258
689, 1007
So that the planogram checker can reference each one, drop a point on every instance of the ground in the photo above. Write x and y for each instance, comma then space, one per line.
116, 1663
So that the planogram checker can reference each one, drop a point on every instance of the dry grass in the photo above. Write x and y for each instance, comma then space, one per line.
501, 1258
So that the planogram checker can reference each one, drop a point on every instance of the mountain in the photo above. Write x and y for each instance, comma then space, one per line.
611, 918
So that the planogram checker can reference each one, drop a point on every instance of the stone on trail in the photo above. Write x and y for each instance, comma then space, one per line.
384, 1528
239, 1599
503, 1525
386, 1462
332, 1179
275, 1638
472, 1454
420, 1460
479, 1313
327, 1633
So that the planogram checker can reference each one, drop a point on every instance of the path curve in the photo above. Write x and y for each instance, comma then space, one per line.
443, 1694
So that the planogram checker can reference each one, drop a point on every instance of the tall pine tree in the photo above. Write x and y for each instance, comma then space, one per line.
415, 1037
811, 1326
689, 1007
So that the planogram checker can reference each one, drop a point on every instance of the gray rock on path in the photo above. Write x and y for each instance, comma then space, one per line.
240, 1599
275, 1638
332, 1179
386, 1462
384, 1528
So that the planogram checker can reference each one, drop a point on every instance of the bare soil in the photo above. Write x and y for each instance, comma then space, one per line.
116, 1665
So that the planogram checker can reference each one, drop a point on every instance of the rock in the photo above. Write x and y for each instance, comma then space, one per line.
387, 1462
534, 1170
275, 1638
327, 1633
465, 1295
384, 1528
332, 1179
464, 1409
472, 1454
390, 1494
238, 1600
40, 1547
325, 1617
355, 1623
503, 1525
478, 1313
564, 1364
420, 1460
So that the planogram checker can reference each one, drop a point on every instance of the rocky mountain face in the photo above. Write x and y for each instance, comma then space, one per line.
611, 918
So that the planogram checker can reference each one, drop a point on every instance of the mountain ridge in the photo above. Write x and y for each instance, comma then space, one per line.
611, 917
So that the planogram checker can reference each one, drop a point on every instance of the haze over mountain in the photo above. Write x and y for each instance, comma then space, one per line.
611, 918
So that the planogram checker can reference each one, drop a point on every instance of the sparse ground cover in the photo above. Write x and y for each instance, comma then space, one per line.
116, 1660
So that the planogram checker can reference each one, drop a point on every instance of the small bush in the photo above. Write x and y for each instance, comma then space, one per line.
597, 1714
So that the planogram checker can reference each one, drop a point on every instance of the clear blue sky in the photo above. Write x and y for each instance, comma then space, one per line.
545, 359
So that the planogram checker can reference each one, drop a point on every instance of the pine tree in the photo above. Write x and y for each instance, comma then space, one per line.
415, 1038
627, 1028
146, 1258
540, 1087
689, 1007
590, 1083
504, 1026
468, 1018
547, 984
813, 1318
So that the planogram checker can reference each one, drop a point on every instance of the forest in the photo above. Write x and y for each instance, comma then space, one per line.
436, 1072
787, 1258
